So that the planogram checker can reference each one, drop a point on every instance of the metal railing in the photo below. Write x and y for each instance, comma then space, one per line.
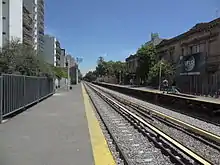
17, 92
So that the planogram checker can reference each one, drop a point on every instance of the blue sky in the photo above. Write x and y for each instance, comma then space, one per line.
116, 28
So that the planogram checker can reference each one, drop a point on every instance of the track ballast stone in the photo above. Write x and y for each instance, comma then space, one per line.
195, 145
136, 147
188, 119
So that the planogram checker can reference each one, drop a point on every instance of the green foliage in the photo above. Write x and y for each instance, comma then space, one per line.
167, 72
109, 68
106, 68
90, 76
147, 58
60, 72
18, 58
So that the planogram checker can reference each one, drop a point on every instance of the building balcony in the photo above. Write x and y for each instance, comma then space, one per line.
41, 2
58, 50
40, 13
28, 32
41, 10
58, 44
58, 56
57, 62
27, 21
28, 40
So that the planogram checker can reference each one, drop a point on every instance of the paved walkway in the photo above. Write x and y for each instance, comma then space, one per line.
53, 132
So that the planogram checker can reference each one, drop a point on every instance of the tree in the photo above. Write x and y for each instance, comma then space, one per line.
146, 59
107, 68
60, 72
101, 67
90, 76
119, 69
167, 72
18, 58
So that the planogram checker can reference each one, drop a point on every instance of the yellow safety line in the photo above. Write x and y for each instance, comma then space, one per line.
183, 148
101, 152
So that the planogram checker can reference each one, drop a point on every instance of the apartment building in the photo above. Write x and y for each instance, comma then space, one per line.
52, 50
39, 25
196, 57
70, 60
62, 58
22, 19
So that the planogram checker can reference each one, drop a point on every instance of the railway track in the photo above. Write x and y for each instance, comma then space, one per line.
199, 140
144, 119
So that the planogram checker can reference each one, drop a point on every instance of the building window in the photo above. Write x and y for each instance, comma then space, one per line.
3, 33
197, 48
182, 51
3, 2
190, 50
3, 17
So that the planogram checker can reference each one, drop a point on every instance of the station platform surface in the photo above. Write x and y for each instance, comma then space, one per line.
199, 98
61, 130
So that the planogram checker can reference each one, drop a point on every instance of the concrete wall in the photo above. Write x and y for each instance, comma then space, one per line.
1, 23
62, 58
11, 22
40, 25
16, 19
4, 23
50, 49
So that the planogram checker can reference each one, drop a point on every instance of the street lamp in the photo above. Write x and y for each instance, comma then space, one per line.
120, 78
68, 73
78, 60
161, 63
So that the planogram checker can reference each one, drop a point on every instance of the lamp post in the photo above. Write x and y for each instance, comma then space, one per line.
161, 63
120, 78
68, 73
78, 60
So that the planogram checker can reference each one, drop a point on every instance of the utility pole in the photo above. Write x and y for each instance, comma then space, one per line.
161, 63
68, 85
77, 76
78, 60
68, 73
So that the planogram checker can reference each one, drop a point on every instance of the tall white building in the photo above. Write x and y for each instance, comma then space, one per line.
39, 25
23, 20
52, 50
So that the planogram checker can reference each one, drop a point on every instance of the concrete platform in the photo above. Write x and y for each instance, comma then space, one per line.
198, 98
61, 130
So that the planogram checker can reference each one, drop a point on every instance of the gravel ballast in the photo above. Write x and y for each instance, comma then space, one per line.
136, 147
204, 150
188, 119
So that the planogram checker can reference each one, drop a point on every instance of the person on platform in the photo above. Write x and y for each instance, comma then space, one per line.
165, 85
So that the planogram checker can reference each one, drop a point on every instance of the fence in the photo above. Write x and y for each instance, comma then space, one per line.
18, 92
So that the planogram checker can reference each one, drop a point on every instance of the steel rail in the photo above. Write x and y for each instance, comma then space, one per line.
208, 135
159, 133
118, 148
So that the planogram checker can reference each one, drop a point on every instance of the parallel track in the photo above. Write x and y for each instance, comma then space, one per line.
177, 152
144, 110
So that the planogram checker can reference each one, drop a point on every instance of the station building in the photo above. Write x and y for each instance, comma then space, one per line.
195, 55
